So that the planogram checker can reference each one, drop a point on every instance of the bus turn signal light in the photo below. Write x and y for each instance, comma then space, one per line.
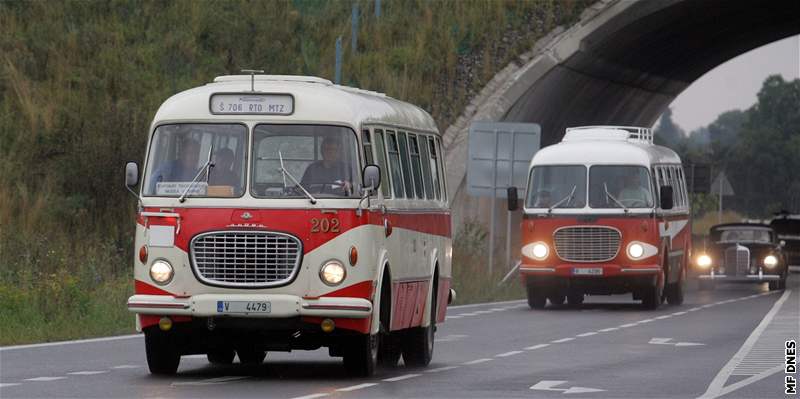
143, 254
353, 256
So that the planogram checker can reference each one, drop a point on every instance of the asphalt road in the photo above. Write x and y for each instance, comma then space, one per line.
725, 343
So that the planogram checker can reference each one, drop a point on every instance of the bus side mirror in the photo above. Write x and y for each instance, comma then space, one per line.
511, 194
131, 174
666, 197
371, 177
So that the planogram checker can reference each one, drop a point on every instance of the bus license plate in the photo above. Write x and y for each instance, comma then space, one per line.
587, 271
244, 307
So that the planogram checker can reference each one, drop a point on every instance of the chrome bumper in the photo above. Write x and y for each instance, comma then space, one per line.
281, 306
750, 277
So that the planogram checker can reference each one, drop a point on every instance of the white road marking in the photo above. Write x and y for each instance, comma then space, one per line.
79, 341
470, 363
9, 384
450, 338
645, 321
469, 314
472, 305
357, 387
717, 386
45, 379
498, 309
507, 354
483, 311
666, 316
550, 385
535, 347
88, 372
608, 329
694, 309
312, 396
587, 334
210, 381
452, 317
194, 357
666, 341
679, 313
627, 325
401, 378
126, 366
558, 341
440, 369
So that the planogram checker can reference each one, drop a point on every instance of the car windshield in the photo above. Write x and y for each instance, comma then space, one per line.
179, 154
615, 186
745, 235
562, 185
323, 159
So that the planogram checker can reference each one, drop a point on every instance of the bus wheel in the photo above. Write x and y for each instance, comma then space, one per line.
575, 298
674, 292
361, 355
162, 357
221, 356
418, 343
251, 356
557, 299
389, 349
536, 300
651, 297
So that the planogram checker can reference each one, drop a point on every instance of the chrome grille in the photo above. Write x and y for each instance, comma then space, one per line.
587, 243
737, 258
245, 258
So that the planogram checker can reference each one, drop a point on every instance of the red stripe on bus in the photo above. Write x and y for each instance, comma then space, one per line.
140, 287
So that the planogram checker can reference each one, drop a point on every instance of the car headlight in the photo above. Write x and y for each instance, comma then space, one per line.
704, 261
332, 273
536, 250
161, 272
770, 261
635, 250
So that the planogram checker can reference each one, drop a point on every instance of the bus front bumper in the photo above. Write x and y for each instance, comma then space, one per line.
280, 306
588, 270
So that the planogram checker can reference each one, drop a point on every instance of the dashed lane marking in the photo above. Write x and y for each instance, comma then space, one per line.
507, 354
401, 378
210, 381
79, 341
535, 347
558, 341
312, 396
440, 369
357, 387
9, 384
89, 372
608, 329
45, 379
666, 316
628, 325
470, 363
587, 334
126, 366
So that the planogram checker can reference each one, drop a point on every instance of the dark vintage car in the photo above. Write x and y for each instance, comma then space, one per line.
742, 252
787, 226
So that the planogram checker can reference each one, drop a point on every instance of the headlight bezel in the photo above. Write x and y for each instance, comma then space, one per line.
332, 263
170, 271
770, 261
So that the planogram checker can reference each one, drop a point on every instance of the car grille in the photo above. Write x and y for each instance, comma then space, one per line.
245, 258
587, 243
737, 259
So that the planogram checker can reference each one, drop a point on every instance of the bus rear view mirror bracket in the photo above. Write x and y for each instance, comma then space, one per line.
370, 181
511, 194
665, 194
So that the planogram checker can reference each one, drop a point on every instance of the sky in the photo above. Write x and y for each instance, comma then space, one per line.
734, 84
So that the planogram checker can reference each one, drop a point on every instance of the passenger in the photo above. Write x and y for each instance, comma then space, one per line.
330, 174
221, 173
632, 193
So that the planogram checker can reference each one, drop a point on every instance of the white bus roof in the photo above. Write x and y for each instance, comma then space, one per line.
605, 145
316, 100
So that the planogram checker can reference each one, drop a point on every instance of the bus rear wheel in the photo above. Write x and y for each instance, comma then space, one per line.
162, 356
418, 343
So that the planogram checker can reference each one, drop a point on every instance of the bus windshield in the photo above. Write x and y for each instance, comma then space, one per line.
625, 186
179, 154
323, 159
558, 186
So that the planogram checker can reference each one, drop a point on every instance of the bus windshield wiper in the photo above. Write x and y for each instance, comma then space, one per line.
605, 187
286, 173
565, 199
207, 165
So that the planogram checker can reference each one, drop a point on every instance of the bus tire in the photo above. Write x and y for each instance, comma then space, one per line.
361, 355
557, 299
418, 345
575, 298
221, 356
162, 356
389, 349
536, 300
651, 297
251, 356
674, 292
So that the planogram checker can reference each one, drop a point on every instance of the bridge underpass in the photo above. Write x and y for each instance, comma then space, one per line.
622, 63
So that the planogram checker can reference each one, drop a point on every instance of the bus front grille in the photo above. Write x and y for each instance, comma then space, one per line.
587, 243
248, 259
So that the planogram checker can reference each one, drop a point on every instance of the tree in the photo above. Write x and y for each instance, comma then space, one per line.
668, 133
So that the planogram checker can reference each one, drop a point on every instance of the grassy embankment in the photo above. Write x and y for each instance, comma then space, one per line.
80, 81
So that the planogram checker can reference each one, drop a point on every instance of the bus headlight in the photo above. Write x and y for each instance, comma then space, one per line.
332, 273
770, 261
635, 250
536, 250
161, 272
704, 261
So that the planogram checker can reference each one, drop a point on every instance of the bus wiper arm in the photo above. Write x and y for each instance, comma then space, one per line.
605, 187
207, 165
565, 199
303, 189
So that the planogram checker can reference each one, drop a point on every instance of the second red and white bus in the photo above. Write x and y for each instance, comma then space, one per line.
606, 212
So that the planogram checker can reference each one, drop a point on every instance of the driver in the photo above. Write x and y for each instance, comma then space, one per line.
330, 172
182, 169
633, 193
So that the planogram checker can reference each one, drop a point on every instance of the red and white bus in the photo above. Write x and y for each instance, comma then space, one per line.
606, 212
286, 212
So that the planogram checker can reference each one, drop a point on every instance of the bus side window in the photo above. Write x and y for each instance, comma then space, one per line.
684, 188
394, 162
406, 164
367, 143
443, 178
426, 167
415, 166
435, 168
380, 150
